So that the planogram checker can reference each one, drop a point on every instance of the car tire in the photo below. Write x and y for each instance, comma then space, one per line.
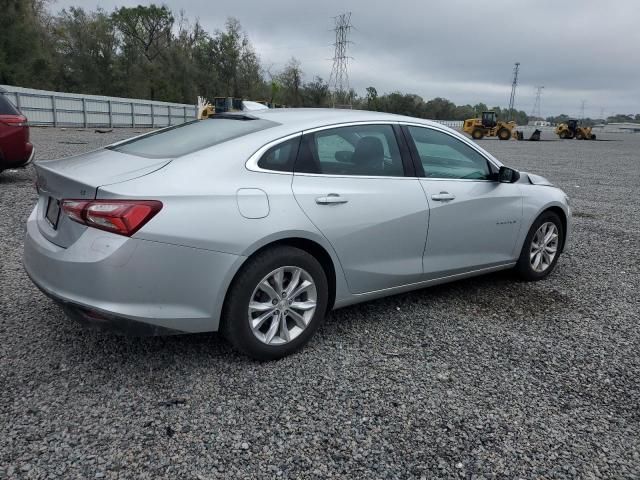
538, 258
267, 324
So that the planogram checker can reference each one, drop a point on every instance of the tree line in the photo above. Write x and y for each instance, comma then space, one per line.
151, 52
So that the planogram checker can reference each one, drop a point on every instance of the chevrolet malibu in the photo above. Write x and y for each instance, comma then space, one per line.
257, 225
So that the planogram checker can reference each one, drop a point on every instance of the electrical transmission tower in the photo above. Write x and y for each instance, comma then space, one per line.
339, 79
536, 106
512, 99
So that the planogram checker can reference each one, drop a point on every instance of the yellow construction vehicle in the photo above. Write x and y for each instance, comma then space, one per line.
220, 105
571, 129
489, 126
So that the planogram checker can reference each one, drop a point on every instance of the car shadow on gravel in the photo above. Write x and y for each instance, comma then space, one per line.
495, 293
498, 294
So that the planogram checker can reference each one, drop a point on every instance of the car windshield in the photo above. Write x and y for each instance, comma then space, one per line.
192, 136
6, 107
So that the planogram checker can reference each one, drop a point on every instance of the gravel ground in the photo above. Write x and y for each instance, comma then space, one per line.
483, 378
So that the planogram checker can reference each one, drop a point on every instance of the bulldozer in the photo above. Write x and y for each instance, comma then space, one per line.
489, 126
571, 129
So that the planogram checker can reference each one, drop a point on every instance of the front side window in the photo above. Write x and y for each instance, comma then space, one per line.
364, 150
444, 156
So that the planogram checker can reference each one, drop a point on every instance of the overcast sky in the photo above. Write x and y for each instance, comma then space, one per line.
462, 50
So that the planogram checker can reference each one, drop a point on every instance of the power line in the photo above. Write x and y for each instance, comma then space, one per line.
514, 84
339, 78
536, 105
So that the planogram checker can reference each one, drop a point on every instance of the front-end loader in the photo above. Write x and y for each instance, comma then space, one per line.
571, 129
488, 126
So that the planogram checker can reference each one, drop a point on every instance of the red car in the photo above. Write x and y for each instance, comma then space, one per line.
15, 148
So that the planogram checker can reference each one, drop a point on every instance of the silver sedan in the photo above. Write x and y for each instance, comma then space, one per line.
258, 224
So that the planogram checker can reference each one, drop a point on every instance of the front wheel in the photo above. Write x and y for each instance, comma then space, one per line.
541, 248
275, 303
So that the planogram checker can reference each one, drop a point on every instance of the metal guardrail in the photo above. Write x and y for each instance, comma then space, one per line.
76, 110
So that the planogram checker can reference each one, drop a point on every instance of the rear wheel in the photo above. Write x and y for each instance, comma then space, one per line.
580, 136
275, 303
563, 134
477, 134
593, 136
541, 248
504, 134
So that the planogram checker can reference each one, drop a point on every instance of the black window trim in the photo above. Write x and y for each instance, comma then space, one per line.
413, 168
417, 163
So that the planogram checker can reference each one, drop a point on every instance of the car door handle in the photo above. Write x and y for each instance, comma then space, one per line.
331, 199
443, 196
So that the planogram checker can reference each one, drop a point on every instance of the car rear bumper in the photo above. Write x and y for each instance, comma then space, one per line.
93, 319
130, 285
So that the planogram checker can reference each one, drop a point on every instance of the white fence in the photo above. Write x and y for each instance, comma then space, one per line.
58, 109
457, 124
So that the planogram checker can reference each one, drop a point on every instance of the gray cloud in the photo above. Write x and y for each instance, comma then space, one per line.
461, 50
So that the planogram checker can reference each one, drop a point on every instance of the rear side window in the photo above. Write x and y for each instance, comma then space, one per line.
280, 157
6, 107
192, 136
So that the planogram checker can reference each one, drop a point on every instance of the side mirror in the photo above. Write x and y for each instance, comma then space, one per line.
508, 175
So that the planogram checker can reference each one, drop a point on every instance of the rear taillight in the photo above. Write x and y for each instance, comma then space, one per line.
124, 217
14, 120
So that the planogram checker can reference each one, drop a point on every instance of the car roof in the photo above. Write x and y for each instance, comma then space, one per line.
298, 119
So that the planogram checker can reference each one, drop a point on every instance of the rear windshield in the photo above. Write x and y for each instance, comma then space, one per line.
6, 107
192, 136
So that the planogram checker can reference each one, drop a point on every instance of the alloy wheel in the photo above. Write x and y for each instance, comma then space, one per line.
282, 305
544, 247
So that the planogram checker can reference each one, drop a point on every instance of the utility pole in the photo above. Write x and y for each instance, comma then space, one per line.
536, 106
582, 109
339, 78
512, 99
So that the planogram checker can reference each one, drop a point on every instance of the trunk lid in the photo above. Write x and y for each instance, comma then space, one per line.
79, 177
